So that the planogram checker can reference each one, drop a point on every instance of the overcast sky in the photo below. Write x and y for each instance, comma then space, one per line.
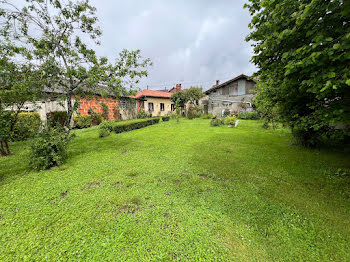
192, 42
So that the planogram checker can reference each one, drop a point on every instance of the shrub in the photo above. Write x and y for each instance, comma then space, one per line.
165, 118
105, 128
96, 117
105, 111
49, 148
227, 112
27, 126
125, 126
216, 122
142, 114
56, 118
248, 115
172, 115
82, 121
191, 112
208, 116
230, 121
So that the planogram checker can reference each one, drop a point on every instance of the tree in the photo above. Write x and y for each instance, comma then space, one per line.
19, 83
302, 52
194, 94
56, 32
179, 98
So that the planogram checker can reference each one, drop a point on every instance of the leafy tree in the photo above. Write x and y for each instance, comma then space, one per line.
179, 98
19, 83
194, 94
302, 51
57, 32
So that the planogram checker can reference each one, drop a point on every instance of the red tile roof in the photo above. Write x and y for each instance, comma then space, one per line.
153, 93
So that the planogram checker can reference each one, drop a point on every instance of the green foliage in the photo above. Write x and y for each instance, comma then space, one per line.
96, 117
56, 118
302, 51
216, 122
230, 120
26, 126
142, 114
207, 116
5, 132
82, 121
105, 128
179, 99
105, 111
248, 115
49, 148
194, 94
191, 112
60, 45
126, 126
227, 112
165, 118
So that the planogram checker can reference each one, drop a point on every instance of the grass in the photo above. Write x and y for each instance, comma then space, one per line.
181, 192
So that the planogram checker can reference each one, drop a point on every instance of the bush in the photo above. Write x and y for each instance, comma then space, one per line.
227, 112
142, 114
248, 115
96, 118
191, 112
49, 148
172, 115
230, 121
165, 118
208, 116
105, 128
82, 121
125, 126
56, 118
27, 126
216, 122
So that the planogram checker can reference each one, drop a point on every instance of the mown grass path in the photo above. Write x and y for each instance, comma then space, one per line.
178, 192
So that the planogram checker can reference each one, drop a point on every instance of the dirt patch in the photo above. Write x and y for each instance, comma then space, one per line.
129, 209
229, 152
94, 184
64, 194
203, 176
123, 153
117, 183
177, 181
166, 215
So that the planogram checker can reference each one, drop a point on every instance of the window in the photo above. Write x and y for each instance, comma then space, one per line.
172, 107
162, 107
150, 107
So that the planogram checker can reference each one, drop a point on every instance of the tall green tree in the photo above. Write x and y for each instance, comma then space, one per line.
179, 99
302, 52
58, 32
194, 94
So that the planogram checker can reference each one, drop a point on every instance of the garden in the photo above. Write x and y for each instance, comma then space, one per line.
178, 191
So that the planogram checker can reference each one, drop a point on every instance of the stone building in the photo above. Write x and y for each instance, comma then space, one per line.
235, 94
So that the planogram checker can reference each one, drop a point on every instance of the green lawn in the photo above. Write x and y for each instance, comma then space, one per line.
181, 192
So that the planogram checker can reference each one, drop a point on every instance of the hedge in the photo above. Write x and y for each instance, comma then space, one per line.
166, 118
27, 126
125, 126
248, 115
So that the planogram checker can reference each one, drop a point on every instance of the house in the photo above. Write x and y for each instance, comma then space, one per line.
235, 94
109, 106
157, 101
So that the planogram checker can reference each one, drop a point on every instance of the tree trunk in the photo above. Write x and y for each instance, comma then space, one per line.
4, 148
69, 111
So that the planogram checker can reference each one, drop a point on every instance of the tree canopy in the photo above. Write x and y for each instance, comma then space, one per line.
194, 94
57, 33
302, 52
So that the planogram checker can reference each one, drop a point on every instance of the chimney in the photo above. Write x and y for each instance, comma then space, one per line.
217, 82
147, 87
178, 86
